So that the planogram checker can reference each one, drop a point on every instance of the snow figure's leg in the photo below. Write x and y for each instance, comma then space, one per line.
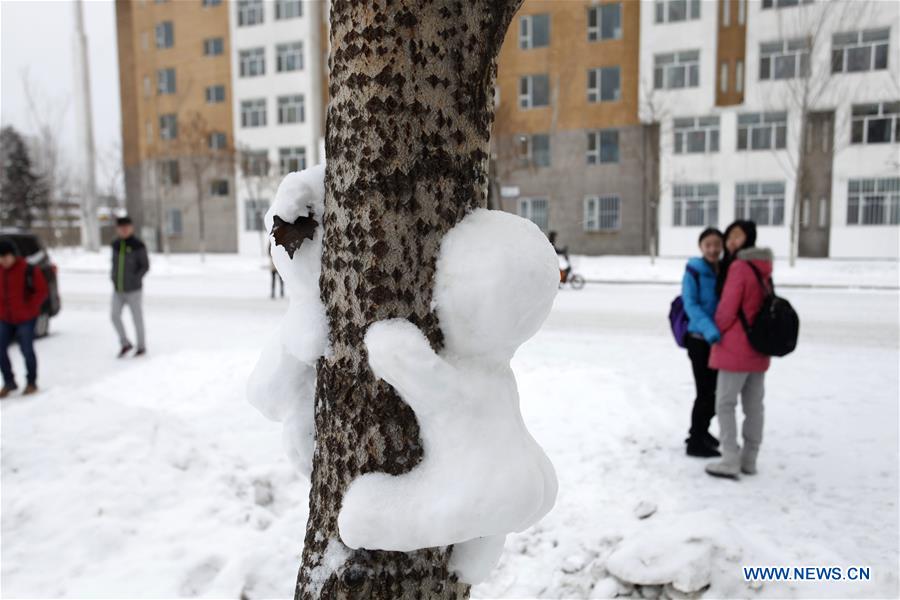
299, 436
473, 561
387, 512
400, 355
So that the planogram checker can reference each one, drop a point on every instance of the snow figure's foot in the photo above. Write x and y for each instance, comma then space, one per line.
473, 561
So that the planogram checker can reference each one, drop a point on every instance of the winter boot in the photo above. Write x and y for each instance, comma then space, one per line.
711, 440
748, 461
700, 449
7, 390
30, 389
140, 352
728, 467
125, 350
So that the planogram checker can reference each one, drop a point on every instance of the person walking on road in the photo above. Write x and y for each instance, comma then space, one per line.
129, 265
698, 293
23, 290
741, 368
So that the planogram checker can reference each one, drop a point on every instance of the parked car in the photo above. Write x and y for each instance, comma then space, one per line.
34, 251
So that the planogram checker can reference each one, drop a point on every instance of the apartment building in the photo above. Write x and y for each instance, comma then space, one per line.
779, 111
175, 88
570, 152
277, 64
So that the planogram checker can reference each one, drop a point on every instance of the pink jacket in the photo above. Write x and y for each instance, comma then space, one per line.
742, 290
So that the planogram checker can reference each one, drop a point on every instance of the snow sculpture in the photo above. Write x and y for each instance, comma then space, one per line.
482, 475
282, 385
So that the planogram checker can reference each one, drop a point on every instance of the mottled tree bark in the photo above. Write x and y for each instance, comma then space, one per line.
407, 141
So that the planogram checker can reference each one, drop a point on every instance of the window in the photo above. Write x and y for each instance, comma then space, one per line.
147, 88
291, 109
762, 131
218, 187
534, 31
165, 34
823, 213
250, 12
213, 46
534, 150
742, 12
672, 11
149, 129
168, 127
605, 22
217, 141
534, 91
288, 9
169, 172
254, 214
696, 135
873, 201
856, 51
739, 76
255, 163
289, 57
601, 213
535, 210
145, 40
215, 93
603, 85
165, 81
173, 222
760, 201
726, 13
695, 205
603, 146
291, 159
875, 123
253, 113
676, 70
212, 2
784, 59
253, 62
783, 3
723, 78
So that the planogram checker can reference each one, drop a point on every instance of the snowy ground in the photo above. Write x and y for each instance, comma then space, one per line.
154, 478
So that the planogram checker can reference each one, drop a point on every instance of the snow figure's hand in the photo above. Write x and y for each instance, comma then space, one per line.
474, 560
399, 353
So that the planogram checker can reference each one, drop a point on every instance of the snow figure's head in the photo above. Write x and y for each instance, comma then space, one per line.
296, 242
496, 279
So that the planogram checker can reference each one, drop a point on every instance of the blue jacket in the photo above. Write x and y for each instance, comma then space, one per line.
700, 300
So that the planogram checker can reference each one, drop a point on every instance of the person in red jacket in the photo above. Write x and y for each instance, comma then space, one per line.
23, 290
742, 369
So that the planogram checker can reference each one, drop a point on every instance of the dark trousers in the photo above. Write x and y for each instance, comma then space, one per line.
277, 277
23, 333
705, 382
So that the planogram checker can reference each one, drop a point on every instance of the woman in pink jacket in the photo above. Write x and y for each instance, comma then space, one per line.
741, 368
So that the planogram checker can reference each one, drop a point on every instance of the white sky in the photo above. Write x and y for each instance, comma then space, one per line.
38, 36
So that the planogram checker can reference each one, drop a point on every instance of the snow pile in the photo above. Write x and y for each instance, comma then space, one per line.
283, 384
482, 475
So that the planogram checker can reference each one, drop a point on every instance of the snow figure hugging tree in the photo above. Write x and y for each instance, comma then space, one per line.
282, 385
482, 475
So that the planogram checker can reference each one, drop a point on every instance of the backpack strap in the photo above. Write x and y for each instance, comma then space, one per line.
693, 272
29, 280
768, 289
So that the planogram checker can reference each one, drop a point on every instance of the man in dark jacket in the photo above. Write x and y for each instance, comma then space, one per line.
23, 290
129, 265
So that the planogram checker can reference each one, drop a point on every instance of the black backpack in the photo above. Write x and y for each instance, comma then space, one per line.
776, 327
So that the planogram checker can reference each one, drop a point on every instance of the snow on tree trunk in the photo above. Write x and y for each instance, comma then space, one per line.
408, 142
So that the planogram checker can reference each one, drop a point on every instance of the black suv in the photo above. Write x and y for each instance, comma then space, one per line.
33, 250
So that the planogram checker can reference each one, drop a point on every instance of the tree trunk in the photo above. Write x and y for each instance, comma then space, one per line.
799, 189
201, 226
408, 144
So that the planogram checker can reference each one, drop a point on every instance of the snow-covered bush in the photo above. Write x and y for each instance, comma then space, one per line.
282, 385
482, 475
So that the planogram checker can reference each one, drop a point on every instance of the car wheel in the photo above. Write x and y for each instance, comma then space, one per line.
42, 325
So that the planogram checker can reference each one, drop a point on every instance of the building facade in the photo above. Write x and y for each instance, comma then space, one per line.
569, 149
177, 138
784, 112
277, 64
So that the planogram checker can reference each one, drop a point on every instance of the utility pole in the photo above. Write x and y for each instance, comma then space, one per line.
90, 233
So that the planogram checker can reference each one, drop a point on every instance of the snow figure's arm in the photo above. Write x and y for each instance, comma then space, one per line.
473, 561
399, 353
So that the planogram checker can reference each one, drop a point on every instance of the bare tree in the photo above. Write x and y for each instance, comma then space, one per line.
656, 119
206, 153
408, 145
259, 178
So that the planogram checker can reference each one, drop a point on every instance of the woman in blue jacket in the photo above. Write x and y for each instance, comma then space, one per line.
700, 298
